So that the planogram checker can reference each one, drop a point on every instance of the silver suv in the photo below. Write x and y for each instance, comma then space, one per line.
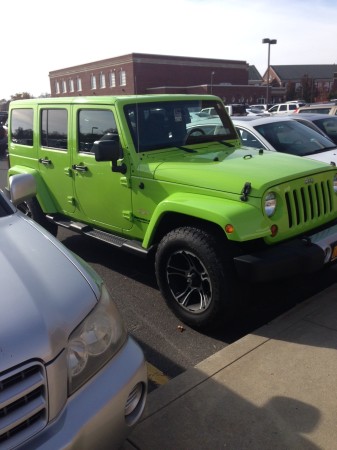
70, 375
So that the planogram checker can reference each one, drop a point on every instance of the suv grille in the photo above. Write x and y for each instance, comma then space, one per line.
313, 201
23, 404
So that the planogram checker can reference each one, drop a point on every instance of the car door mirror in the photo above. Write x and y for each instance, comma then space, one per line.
108, 149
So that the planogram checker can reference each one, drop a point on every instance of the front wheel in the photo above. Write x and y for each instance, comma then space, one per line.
32, 209
191, 277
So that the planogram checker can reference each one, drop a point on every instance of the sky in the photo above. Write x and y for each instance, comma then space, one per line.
40, 36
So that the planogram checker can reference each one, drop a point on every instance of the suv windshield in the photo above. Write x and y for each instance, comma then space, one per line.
170, 124
294, 138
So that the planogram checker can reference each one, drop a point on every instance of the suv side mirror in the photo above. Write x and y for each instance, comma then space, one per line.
108, 149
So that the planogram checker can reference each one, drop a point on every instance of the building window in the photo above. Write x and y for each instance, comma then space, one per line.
112, 79
122, 78
93, 82
79, 84
71, 85
64, 87
102, 80
57, 87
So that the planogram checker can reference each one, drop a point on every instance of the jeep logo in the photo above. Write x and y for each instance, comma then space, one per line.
309, 181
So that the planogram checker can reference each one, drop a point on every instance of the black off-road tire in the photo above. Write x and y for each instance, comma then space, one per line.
31, 208
191, 277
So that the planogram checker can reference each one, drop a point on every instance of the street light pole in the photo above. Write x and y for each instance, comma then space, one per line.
212, 75
269, 42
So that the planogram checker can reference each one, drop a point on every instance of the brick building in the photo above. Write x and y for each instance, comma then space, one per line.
311, 82
139, 73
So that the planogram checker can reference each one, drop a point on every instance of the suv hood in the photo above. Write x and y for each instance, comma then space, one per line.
39, 281
229, 170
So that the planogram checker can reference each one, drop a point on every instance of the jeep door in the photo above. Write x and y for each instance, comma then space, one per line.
102, 196
54, 149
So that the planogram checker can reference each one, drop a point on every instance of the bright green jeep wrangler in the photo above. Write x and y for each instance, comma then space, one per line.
154, 175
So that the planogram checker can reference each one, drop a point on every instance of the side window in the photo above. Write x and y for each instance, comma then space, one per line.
22, 126
54, 128
94, 125
283, 107
248, 139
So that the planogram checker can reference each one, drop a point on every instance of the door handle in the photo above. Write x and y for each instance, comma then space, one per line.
79, 168
45, 161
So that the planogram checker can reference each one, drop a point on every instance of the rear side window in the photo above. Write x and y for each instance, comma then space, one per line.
22, 126
54, 128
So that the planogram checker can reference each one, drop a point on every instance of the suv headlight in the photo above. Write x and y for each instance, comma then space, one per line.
94, 342
270, 203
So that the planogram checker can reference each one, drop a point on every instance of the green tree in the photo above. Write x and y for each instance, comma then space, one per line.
309, 89
291, 91
21, 95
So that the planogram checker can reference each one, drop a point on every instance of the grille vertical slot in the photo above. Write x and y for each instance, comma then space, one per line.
312, 201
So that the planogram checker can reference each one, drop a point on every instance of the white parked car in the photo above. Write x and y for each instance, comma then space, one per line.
70, 375
260, 108
284, 108
284, 134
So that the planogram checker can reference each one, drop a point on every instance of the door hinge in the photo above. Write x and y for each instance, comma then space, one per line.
125, 182
71, 200
128, 215
68, 171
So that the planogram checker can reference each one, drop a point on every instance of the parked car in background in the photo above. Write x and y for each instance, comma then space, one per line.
3, 117
286, 135
259, 108
319, 108
237, 109
70, 375
324, 123
284, 108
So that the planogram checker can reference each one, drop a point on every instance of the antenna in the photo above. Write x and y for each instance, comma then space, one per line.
137, 112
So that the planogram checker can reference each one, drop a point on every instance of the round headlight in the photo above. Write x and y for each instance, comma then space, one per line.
335, 184
270, 204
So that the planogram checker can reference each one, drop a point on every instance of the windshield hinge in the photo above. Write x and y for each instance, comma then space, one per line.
246, 191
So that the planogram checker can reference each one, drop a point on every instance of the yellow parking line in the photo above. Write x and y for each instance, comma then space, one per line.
155, 375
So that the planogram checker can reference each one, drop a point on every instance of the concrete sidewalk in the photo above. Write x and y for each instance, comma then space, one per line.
273, 389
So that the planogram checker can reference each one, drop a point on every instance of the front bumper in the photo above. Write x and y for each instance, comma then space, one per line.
93, 417
299, 256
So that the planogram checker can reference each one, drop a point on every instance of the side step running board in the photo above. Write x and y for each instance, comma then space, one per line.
112, 239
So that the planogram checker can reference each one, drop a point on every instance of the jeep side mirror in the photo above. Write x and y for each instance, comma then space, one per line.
108, 149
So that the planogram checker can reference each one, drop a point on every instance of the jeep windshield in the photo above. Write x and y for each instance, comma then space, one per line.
167, 124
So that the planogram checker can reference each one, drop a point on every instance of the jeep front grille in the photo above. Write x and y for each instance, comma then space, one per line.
312, 201
23, 404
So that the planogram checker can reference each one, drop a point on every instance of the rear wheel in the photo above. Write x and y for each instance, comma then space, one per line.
191, 276
31, 208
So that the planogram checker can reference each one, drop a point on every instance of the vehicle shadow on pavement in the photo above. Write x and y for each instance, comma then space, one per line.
229, 410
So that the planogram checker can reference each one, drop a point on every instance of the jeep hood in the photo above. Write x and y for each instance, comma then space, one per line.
230, 170
45, 292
